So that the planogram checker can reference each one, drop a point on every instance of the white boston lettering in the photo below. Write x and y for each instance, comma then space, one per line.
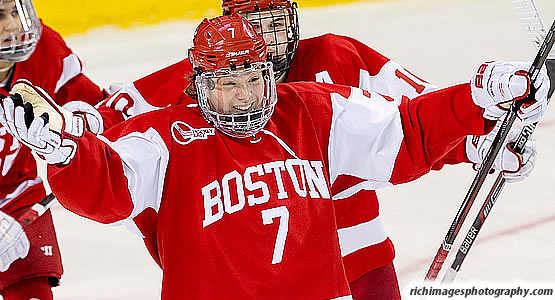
316, 180
258, 185
234, 190
228, 206
277, 167
211, 202
300, 187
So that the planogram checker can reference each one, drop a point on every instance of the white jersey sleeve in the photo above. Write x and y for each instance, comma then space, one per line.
352, 121
144, 170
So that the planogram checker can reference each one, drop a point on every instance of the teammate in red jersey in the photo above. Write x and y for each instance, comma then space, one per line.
234, 194
328, 58
367, 250
30, 261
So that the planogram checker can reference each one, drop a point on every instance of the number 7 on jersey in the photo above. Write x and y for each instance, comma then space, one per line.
268, 216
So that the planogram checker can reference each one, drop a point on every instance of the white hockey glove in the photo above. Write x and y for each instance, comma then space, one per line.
515, 167
93, 119
14, 243
32, 117
496, 84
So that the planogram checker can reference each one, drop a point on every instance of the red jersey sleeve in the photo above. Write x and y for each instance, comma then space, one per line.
376, 141
350, 62
155, 91
111, 201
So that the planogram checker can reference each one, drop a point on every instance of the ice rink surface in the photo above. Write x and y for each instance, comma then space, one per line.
442, 42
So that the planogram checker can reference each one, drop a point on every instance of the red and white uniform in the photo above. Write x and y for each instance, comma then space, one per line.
331, 59
157, 90
55, 68
343, 60
253, 218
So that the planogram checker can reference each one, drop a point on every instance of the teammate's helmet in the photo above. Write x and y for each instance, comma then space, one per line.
282, 30
225, 51
20, 30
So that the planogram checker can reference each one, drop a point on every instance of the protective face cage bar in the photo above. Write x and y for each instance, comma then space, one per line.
240, 125
22, 30
284, 49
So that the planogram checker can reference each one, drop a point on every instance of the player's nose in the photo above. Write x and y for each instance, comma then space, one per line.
242, 92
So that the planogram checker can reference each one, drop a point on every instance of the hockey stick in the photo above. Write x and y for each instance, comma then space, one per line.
37, 210
532, 23
485, 167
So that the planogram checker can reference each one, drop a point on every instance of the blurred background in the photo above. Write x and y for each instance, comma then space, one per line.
441, 41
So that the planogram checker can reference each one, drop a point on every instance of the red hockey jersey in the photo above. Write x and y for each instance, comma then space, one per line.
331, 59
253, 218
56, 69
339, 59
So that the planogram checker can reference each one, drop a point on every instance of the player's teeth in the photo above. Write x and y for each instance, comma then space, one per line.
243, 107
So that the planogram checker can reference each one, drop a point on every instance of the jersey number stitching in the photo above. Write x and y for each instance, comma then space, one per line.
418, 87
268, 216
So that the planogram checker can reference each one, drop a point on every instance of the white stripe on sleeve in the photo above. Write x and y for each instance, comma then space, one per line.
145, 159
72, 68
360, 236
365, 137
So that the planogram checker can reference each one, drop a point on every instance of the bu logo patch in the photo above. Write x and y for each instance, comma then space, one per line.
184, 134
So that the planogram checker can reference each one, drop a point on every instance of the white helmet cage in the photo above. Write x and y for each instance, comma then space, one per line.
21, 30
283, 56
240, 125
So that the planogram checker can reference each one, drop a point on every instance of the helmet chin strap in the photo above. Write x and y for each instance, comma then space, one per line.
6, 68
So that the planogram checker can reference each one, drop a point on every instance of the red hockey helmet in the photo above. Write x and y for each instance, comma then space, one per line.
229, 59
226, 41
276, 21
241, 6
20, 30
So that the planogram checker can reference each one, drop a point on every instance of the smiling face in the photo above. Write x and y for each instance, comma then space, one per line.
240, 102
237, 93
234, 82
10, 26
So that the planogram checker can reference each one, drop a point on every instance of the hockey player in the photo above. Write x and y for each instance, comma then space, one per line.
332, 59
30, 261
235, 192
339, 59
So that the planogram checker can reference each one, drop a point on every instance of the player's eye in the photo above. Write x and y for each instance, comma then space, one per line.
256, 26
277, 25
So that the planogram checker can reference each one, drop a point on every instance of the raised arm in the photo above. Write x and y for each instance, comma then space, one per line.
91, 176
396, 140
